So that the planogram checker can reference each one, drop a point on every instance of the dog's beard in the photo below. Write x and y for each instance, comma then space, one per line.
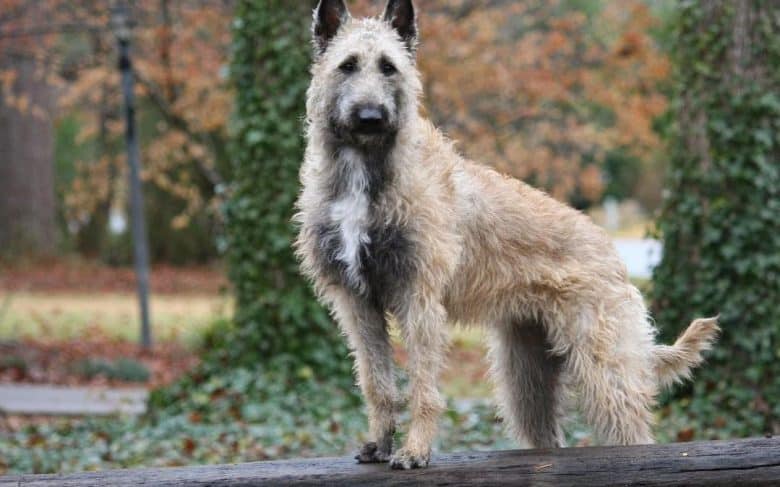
374, 154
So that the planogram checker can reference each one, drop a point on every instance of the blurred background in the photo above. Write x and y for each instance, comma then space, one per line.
659, 118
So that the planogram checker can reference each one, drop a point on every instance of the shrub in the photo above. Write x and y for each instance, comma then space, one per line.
93, 367
124, 369
130, 370
13, 363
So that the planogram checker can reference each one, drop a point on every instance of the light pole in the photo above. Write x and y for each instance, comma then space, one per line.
122, 24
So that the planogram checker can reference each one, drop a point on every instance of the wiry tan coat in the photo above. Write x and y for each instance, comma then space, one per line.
480, 249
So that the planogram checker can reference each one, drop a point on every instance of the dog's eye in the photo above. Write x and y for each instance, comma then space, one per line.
387, 68
349, 66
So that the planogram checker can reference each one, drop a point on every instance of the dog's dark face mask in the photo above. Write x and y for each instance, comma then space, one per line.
366, 78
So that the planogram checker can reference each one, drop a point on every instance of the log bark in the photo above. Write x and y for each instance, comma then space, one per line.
751, 462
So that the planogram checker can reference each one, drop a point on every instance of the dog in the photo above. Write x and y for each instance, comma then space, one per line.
395, 224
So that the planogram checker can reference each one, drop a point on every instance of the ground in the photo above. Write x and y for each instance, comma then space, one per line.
68, 321
74, 322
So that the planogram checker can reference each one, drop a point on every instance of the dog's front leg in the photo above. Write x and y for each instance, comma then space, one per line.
366, 330
425, 334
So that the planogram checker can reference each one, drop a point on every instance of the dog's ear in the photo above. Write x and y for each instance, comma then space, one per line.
400, 14
328, 18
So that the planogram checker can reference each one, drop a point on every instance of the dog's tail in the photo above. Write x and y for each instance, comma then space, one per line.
674, 363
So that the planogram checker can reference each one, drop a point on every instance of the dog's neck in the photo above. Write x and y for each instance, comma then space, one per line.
367, 167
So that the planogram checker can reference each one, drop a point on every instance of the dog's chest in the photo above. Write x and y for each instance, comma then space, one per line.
359, 251
349, 222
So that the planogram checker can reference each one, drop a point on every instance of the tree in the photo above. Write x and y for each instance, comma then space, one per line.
181, 54
181, 51
720, 220
28, 94
277, 317
27, 203
567, 91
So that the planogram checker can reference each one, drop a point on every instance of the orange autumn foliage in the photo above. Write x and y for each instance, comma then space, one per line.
540, 90
180, 59
537, 88
180, 52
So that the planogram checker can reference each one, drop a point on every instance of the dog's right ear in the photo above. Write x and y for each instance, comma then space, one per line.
328, 18
400, 14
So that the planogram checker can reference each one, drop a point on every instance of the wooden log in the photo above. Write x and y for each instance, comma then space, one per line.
717, 463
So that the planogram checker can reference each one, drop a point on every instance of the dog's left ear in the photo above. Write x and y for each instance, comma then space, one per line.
400, 14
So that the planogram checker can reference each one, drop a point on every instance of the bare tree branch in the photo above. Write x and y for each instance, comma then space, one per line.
181, 123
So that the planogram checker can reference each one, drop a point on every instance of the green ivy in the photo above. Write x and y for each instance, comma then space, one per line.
277, 314
721, 220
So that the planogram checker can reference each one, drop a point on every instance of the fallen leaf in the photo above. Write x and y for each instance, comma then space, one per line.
188, 445
685, 435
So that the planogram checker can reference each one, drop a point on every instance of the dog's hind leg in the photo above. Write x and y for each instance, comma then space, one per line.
613, 370
366, 330
618, 411
527, 378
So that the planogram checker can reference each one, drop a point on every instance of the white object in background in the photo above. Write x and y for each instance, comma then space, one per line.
640, 255
117, 222
611, 214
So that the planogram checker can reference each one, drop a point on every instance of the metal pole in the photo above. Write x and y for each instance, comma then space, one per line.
121, 21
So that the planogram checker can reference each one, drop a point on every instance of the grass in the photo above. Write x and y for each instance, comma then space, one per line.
63, 316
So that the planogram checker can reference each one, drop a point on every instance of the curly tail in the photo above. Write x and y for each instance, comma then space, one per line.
674, 363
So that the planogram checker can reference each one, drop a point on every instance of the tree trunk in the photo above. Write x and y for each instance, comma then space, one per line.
720, 219
27, 200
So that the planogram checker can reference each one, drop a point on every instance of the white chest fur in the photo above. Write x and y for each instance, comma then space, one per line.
350, 213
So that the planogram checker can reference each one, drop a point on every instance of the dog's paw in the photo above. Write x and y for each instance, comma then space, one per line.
405, 459
371, 453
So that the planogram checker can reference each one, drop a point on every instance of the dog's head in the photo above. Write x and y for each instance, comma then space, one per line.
364, 75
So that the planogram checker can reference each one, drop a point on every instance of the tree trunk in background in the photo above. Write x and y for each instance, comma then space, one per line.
27, 200
278, 320
720, 219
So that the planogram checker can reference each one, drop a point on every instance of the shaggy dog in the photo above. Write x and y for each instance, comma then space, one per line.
395, 224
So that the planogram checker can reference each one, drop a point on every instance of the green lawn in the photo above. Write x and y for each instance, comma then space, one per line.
60, 316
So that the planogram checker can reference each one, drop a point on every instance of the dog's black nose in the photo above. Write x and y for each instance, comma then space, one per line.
370, 118
370, 115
